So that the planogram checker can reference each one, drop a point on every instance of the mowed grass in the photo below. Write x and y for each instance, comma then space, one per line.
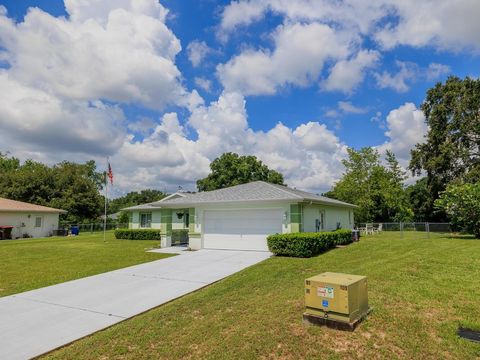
421, 290
28, 264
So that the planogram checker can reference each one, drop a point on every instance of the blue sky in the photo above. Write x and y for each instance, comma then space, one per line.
164, 88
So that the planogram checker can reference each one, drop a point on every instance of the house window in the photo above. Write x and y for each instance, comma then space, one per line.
146, 220
38, 221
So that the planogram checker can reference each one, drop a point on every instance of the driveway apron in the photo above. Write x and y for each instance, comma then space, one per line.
38, 321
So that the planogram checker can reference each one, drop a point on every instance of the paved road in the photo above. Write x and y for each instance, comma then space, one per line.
37, 321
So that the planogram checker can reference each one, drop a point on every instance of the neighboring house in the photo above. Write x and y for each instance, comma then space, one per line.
241, 217
28, 219
111, 216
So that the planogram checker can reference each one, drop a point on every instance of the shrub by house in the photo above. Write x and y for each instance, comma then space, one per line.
137, 234
307, 244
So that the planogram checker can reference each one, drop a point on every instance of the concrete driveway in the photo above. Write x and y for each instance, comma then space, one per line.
37, 321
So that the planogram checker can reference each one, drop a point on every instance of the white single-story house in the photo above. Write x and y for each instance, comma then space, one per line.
28, 219
111, 216
242, 216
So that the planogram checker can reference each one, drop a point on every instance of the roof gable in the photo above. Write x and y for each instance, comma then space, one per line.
157, 204
173, 196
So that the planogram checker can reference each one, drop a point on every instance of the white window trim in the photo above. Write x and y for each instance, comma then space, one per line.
41, 222
141, 223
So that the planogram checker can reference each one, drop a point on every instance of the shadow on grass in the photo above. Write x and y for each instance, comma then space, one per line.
458, 236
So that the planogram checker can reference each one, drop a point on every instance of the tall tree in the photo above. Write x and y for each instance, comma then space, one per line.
420, 200
8, 163
377, 189
462, 204
451, 151
232, 169
135, 198
76, 191
398, 174
69, 186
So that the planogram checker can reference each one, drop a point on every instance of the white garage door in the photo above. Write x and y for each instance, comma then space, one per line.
240, 229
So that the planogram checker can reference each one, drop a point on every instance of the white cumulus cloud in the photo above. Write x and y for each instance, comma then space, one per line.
400, 80
444, 24
203, 83
197, 51
346, 75
435, 70
67, 78
297, 59
121, 51
308, 155
406, 127
35, 119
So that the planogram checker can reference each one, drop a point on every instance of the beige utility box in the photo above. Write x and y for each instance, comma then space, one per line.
336, 298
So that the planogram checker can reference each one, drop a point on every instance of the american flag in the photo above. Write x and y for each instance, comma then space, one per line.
110, 173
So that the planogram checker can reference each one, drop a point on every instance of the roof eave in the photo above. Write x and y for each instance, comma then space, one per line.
140, 207
53, 211
317, 201
220, 202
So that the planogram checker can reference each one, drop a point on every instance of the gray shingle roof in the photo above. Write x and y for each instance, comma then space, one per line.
154, 205
140, 207
253, 191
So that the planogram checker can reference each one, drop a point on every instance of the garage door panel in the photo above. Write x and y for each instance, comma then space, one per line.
240, 229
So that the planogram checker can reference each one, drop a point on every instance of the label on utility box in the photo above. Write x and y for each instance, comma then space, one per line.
326, 292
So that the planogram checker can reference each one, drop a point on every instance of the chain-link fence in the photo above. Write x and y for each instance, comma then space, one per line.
412, 228
92, 227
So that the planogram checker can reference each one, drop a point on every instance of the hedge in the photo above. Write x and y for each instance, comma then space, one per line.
344, 237
307, 244
137, 234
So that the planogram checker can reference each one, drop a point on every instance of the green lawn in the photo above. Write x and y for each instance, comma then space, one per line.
421, 290
33, 263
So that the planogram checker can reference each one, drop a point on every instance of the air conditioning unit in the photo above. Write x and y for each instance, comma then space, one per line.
336, 300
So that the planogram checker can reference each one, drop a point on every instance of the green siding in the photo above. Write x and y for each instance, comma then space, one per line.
135, 224
192, 219
156, 220
296, 217
178, 223
166, 221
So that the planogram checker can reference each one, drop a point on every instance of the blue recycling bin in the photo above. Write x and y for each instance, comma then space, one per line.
75, 230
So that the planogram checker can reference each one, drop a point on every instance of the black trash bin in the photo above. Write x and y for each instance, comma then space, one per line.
6, 232
60, 232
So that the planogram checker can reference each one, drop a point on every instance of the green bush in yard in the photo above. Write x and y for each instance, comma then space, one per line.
307, 244
461, 202
137, 234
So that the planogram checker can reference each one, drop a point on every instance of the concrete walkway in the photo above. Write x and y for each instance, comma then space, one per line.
37, 321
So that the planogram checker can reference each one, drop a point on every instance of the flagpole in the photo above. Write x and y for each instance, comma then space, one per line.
105, 218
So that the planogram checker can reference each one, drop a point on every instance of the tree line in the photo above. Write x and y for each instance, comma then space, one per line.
73, 187
447, 164
67, 185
